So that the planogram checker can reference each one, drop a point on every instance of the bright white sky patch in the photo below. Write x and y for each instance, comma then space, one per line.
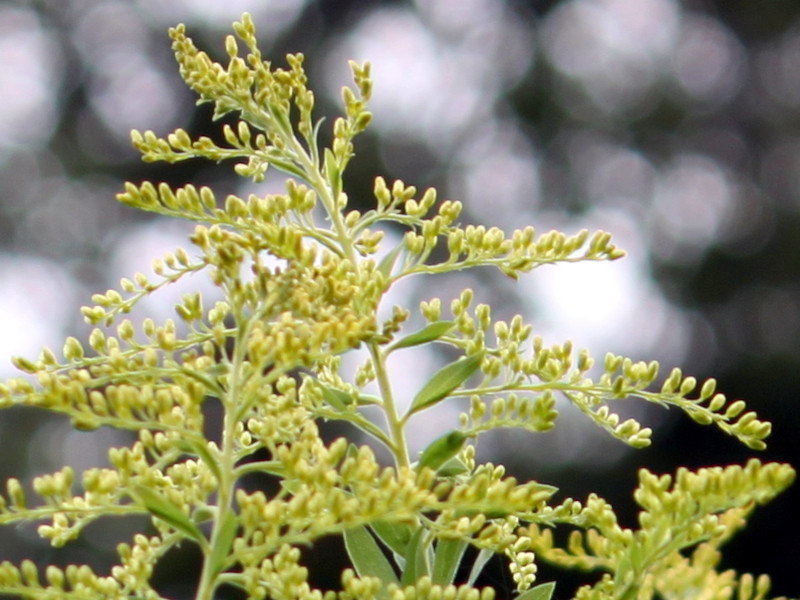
429, 83
420, 88
135, 249
606, 306
36, 301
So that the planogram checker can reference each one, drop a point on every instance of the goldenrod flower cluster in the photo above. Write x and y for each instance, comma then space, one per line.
301, 285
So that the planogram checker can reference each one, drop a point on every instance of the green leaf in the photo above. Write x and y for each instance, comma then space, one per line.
200, 448
158, 506
223, 542
368, 558
291, 485
336, 398
444, 381
480, 561
625, 578
339, 399
331, 169
454, 466
540, 592
442, 449
415, 558
396, 536
368, 400
287, 166
387, 262
446, 560
352, 450
429, 333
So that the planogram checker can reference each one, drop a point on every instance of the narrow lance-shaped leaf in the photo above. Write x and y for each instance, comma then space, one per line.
446, 560
429, 333
387, 262
331, 170
368, 558
451, 468
340, 399
223, 542
444, 381
442, 449
396, 536
480, 561
540, 592
201, 449
415, 557
336, 398
158, 506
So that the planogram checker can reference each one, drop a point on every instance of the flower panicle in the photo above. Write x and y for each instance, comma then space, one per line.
235, 387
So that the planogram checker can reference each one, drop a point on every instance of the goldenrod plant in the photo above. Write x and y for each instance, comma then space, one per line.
301, 280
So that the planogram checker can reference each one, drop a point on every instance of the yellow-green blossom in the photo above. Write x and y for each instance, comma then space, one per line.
297, 293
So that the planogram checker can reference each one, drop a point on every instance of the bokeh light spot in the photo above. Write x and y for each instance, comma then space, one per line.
694, 198
708, 62
29, 79
612, 48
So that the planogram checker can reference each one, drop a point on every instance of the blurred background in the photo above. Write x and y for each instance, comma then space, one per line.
675, 125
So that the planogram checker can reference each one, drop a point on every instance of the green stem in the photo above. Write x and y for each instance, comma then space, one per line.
209, 578
393, 419
327, 190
